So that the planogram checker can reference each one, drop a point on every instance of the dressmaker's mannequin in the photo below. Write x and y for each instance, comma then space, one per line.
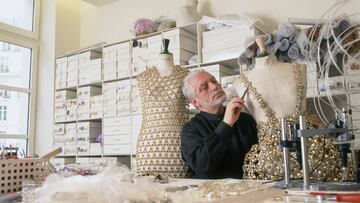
164, 113
165, 65
275, 90
277, 84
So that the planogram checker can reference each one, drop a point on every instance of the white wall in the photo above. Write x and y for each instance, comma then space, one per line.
111, 23
59, 32
67, 25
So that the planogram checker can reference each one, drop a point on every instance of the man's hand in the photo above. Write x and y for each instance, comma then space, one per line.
233, 110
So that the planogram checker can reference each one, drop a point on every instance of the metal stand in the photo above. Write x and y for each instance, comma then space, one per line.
303, 133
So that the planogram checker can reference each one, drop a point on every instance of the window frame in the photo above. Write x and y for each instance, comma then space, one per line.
29, 39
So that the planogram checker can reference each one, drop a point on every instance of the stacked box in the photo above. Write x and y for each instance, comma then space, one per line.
84, 100
60, 104
61, 72
226, 43
109, 99
89, 68
70, 139
59, 137
123, 93
96, 108
135, 98
71, 109
72, 71
86, 134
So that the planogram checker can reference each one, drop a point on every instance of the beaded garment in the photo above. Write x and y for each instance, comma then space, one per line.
265, 160
164, 114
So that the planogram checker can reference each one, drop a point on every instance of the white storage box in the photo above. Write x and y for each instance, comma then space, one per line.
88, 91
70, 149
70, 139
89, 128
71, 83
59, 139
95, 148
59, 129
88, 56
70, 128
63, 95
109, 112
61, 64
227, 43
123, 86
71, 107
83, 149
73, 62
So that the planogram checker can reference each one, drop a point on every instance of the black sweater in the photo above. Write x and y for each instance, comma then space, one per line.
212, 149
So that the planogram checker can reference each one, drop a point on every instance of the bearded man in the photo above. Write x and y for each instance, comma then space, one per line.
214, 142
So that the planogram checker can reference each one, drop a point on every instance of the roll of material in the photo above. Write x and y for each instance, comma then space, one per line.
267, 39
287, 30
284, 44
294, 52
272, 48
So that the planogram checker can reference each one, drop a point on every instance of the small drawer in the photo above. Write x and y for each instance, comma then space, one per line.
117, 139
117, 130
124, 149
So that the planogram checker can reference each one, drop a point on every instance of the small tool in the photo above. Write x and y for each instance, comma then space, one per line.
246, 90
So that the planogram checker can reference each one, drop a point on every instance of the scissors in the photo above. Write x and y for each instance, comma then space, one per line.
246, 90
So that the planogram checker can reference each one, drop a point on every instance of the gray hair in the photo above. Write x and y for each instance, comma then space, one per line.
187, 90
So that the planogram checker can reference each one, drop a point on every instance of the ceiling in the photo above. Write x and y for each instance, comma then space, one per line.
100, 2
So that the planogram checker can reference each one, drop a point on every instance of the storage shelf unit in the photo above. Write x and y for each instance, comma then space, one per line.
120, 113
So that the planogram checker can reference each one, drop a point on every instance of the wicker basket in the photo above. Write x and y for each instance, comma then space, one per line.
14, 171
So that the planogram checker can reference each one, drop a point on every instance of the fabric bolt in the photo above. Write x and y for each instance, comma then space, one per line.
284, 44
164, 114
287, 30
294, 52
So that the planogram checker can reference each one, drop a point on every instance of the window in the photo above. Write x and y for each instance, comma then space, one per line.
17, 13
3, 113
6, 46
5, 94
4, 64
19, 25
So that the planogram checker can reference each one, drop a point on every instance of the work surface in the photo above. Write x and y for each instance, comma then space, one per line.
232, 190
